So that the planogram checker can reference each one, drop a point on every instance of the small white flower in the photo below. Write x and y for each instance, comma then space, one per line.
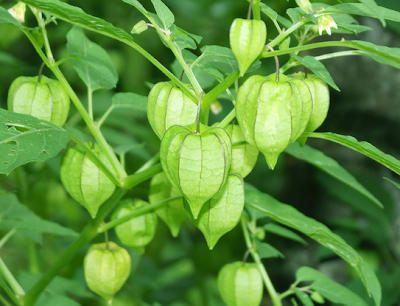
305, 5
325, 23
18, 11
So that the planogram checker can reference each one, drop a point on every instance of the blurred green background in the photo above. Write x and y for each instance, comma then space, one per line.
182, 271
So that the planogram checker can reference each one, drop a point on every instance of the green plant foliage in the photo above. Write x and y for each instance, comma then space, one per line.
24, 139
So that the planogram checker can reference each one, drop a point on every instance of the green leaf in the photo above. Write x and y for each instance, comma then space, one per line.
138, 6
363, 147
393, 182
371, 4
265, 250
6, 17
303, 297
318, 68
363, 10
15, 215
59, 301
330, 166
328, 288
289, 216
130, 100
77, 16
94, 66
164, 13
283, 232
25, 139
265, 9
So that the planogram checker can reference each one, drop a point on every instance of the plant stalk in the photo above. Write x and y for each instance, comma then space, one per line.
267, 281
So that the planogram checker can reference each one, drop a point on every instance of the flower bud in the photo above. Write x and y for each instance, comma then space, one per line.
140, 27
305, 5
325, 23
18, 11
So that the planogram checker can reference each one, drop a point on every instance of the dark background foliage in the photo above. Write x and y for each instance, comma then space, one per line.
182, 271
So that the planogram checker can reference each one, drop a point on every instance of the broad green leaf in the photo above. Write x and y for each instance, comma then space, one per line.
94, 65
328, 288
318, 68
265, 250
15, 215
137, 5
25, 139
330, 166
363, 10
6, 17
362, 147
283, 232
289, 216
77, 16
130, 100
268, 11
303, 297
184, 39
164, 13
371, 4
59, 301
394, 183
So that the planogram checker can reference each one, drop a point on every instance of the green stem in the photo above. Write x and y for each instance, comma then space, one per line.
149, 163
87, 234
4, 301
227, 119
134, 214
287, 293
267, 281
7, 237
42, 26
105, 116
9, 292
15, 287
289, 65
282, 36
95, 131
134, 179
256, 10
90, 101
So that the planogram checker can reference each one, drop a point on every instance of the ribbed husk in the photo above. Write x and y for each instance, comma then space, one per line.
197, 164
46, 100
107, 267
84, 180
167, 106
139, 231
240, 284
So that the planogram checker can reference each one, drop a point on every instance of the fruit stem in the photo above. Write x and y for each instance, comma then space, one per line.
276, 63
245, 256
198, 114
267, 281
249, 11
16, 290
227, 119
106, 239
40, 72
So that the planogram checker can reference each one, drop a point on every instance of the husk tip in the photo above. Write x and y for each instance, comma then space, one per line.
271, 160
